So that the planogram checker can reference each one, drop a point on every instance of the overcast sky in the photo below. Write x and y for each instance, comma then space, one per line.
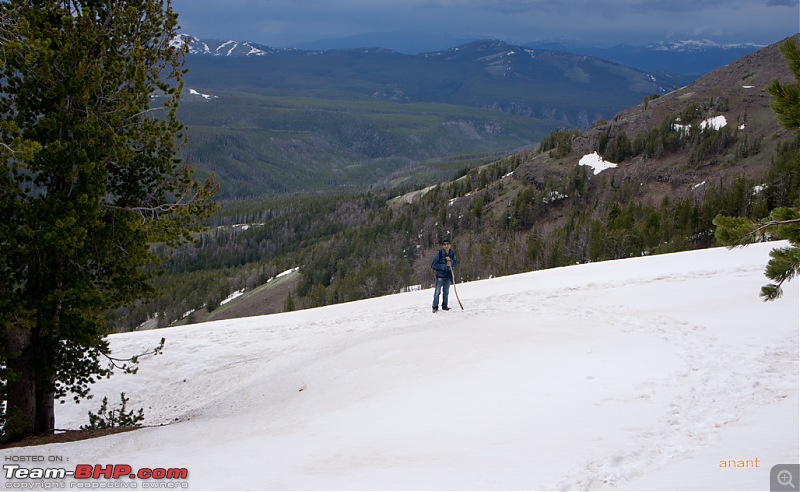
288, 23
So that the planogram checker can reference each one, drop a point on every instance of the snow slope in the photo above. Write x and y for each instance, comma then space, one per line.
638, 374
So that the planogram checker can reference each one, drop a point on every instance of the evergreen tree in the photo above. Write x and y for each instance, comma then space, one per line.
88, 96
786, 97
783, 222
289, 304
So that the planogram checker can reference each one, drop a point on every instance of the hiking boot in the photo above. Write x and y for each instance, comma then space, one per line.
445, 308
434, 310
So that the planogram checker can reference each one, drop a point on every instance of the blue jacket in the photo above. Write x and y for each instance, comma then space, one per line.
440, 263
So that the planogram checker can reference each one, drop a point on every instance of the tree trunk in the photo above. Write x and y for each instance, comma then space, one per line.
21, 406
45, 408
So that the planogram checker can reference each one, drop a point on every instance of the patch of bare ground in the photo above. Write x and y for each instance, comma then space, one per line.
66, 436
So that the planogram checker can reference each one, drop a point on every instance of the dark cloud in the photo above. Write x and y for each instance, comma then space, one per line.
603, 22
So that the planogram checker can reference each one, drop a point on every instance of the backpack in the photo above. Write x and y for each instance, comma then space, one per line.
434, 261
441, 258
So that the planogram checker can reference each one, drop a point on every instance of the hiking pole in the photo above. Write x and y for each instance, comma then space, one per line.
453, 274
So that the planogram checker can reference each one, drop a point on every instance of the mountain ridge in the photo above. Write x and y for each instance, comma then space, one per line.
747, 140
700, 44
688, 56
370, 40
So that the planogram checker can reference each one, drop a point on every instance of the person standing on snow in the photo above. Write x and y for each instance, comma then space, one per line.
443, 262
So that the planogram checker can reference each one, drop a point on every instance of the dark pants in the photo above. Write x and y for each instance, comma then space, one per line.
443, 286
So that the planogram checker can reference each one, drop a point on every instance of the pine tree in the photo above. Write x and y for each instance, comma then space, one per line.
88, 96
786, 97
783, 222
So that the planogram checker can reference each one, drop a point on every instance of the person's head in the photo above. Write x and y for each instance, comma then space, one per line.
446, 244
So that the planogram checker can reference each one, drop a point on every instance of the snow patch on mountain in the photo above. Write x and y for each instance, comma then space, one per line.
224, 48
207, 97
716, 122
699, 45
596, 162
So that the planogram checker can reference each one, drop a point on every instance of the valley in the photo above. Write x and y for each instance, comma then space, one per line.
530, 209
292, 121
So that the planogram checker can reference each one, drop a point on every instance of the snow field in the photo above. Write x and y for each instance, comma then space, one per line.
638, 374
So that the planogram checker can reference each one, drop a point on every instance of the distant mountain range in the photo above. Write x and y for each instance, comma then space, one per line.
490, 74
688, 57
406, 42
272, 120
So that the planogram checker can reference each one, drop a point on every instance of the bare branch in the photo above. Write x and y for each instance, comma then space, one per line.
760, 230
122, 364
774, 223
154, 211
5, 146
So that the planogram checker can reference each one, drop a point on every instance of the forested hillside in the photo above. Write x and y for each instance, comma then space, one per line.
259, 145
678, 167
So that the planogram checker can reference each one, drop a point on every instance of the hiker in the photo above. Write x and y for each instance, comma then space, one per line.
443, 263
